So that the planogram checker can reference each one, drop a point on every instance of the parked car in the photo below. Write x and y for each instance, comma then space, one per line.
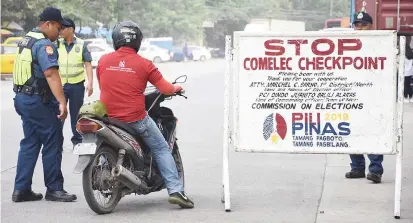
97, 51
95, 41
13, 40
177, 55
199, 53
218, 53
337, 29
154, 53
8, 56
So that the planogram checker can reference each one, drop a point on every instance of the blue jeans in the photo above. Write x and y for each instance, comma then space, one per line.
41, 127
358, 163
155, 141
74, 93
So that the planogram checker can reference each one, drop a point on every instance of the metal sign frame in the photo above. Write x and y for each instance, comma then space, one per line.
231, 114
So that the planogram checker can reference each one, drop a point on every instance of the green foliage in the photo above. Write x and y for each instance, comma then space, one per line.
178, 18
27, 11
181, 19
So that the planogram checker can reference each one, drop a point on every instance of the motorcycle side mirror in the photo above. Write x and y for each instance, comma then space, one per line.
181, 79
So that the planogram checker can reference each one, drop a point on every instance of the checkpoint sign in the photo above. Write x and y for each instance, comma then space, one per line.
315, 92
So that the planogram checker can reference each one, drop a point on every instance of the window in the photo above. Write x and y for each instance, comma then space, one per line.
332, 24
8, 50
14, 41
95, 49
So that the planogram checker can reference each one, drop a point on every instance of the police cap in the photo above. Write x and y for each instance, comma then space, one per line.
362, 17
70, 21
53, 14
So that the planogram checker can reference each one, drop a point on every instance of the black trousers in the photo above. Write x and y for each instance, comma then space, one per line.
408, 89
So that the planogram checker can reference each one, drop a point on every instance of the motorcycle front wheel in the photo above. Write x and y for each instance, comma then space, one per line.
178, 161
97, 181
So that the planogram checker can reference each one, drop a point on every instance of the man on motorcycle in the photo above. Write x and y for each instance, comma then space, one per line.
122, 76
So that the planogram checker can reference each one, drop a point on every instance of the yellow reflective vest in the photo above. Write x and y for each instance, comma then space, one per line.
71, 65
22, 70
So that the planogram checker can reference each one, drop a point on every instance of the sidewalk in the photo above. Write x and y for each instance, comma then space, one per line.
359, 200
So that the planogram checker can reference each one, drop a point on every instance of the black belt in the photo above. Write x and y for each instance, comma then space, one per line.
28, 90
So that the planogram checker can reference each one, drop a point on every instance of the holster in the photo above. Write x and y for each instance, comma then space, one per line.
31, 90
46, 96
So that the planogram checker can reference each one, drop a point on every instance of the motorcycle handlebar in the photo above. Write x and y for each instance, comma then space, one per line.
181, 93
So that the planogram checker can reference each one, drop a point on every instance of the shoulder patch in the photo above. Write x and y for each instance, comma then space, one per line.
24, 41
49, 50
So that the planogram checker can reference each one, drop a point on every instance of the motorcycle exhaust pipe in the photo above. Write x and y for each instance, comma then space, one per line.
113, 139
118, 142
127, 178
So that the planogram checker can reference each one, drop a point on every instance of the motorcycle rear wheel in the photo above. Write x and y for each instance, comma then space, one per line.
88, 182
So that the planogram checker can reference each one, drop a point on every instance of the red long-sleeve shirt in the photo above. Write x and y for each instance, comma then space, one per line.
123, 76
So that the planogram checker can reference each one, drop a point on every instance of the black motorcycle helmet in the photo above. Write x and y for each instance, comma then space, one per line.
127, 33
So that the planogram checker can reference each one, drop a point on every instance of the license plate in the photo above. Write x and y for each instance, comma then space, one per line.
85, 148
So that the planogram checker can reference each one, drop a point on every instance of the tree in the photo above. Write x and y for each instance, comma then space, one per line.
27, 12
315, 12
178, 18
13, 10
181, 19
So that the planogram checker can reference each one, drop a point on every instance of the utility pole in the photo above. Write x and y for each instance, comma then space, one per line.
331, 8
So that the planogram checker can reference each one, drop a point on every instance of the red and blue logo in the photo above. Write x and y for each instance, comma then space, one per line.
274, 127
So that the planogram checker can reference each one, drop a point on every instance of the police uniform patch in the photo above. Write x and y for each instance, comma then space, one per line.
77, 49
24, 41
49, 50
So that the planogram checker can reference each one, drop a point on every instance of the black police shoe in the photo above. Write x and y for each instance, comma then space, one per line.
60, 195
180, 199
20, 196
353, 174
375, 177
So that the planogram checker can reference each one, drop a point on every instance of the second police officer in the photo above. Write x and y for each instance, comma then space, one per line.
74, 57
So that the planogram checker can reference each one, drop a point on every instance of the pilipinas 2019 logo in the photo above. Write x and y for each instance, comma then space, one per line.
329, 131
274, 127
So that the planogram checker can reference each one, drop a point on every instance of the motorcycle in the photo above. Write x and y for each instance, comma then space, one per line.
113, 158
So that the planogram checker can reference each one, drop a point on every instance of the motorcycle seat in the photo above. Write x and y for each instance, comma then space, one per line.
122, 125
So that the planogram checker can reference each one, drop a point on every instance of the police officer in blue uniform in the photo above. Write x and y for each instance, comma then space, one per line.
363, 21
75, 63
41, 104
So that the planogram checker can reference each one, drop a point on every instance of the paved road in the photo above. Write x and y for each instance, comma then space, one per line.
265, 187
